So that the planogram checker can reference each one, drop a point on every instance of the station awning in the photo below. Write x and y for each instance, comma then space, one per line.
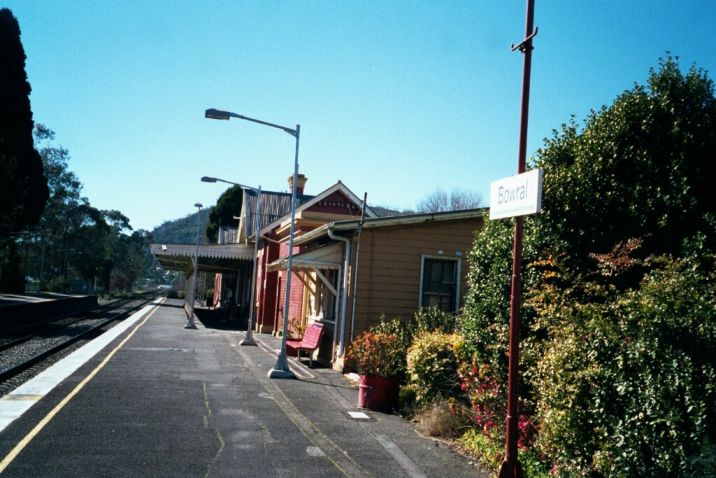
212, 258
328, 257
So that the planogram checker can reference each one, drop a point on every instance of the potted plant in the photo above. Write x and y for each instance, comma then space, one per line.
378, 358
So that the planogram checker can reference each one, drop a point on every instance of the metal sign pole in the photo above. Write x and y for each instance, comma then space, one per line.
511, 467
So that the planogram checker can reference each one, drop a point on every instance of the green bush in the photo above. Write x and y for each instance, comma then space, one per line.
402, 330
615, 369
407, 400
433, 361
627, 382
432, 318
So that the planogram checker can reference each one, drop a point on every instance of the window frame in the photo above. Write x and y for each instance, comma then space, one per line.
458, 277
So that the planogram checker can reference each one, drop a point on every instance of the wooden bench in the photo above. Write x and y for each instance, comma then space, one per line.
309, 342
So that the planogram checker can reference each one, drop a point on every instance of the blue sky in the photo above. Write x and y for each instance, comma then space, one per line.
394, 98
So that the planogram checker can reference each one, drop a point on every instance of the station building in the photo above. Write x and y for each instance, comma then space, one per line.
350, 267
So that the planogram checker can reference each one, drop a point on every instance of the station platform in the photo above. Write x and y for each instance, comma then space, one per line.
154, 399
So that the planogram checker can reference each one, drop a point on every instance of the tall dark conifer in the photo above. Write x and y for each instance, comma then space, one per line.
23, 186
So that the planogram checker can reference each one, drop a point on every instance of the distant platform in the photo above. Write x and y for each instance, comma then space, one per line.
22, 310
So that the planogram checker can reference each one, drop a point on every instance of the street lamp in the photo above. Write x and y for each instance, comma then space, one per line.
190, 321
249, 338
281, 369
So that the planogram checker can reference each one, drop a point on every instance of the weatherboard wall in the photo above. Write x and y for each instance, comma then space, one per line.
390, 263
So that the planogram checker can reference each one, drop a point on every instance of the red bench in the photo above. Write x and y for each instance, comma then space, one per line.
308, 343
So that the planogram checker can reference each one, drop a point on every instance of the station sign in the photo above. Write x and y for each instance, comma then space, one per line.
517, 195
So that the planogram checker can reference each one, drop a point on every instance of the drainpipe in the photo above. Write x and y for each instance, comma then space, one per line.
355, 274
344, 288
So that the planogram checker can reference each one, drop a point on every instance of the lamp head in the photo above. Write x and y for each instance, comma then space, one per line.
198, 204
208, 179
213, 113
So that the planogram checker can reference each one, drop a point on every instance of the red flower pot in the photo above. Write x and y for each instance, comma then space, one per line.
378, 393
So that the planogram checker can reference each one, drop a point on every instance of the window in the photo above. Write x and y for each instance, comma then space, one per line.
439, 282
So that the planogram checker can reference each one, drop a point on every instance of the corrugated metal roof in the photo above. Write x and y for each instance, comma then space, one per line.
214, 251
273, 207
212, 258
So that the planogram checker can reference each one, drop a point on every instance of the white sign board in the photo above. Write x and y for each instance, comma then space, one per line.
517, 195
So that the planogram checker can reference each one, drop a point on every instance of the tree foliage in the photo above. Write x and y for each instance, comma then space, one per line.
626, 385
640, 167
227, 207
23, 187
76, 247
630, 184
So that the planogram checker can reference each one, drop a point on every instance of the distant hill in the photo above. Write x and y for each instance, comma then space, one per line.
182, 231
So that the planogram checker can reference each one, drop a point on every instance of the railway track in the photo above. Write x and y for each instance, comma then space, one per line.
26, 351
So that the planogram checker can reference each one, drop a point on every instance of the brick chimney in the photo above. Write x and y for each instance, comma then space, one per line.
300, 183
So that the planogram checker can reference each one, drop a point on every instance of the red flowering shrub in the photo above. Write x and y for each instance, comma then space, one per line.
376, 354
488, 404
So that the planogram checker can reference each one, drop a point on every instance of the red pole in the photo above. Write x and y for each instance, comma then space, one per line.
511, 466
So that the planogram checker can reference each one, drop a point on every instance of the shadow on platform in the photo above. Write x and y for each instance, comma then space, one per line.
219, 319
174, 306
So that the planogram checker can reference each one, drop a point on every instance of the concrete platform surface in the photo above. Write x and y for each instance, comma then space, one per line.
164, 401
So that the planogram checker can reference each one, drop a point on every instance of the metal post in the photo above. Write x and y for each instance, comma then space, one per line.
190, 320
281, 369
511, 467
249, 338
357, 261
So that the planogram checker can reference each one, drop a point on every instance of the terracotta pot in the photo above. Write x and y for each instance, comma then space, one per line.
378, 393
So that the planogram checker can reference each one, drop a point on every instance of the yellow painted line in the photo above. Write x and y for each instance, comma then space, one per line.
38, 428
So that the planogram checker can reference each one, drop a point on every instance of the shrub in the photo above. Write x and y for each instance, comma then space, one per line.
629, 387
376, 354
407, 400
403, 331
432, 318
488, 452
432, 365
483, 390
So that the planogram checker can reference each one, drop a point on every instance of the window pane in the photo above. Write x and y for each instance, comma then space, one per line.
440, 283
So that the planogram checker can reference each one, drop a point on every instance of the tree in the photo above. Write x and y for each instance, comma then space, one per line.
641, 167
23, 187
76, 247
457, 200
227, 207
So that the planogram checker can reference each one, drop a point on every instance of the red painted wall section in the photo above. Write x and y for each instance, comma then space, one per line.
267, 288
296, 299
272, 293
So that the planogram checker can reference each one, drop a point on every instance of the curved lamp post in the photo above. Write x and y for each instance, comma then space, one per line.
249, 338
190, 321
281, 369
